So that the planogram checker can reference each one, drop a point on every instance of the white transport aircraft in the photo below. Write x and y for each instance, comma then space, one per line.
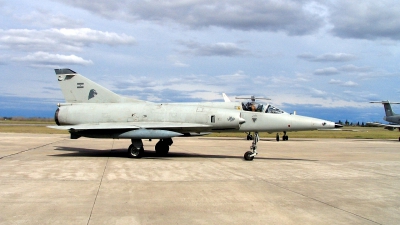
96, 112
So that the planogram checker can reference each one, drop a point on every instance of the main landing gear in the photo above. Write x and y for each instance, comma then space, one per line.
162, 147
249, 155
284, 137
136, 150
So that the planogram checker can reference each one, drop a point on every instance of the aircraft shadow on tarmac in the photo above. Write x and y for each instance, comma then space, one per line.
382, 140
149, 154
261, 139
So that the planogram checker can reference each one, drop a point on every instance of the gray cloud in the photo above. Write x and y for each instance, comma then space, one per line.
135, 83
377, 74
162, 95
359, 72
354, 69
343, 83
289, 16
361, 96
317, 93
328, 57
176, 61
170, 95
366, 20
347, 19
44, 59
217, 49
45, 18
59, 39
326, 71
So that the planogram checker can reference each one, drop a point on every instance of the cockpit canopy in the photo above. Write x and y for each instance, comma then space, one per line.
258, 107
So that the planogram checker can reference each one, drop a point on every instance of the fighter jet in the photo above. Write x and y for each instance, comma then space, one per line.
391, 117
93, 111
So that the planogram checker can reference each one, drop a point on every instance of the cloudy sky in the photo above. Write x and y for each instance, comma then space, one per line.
325, 59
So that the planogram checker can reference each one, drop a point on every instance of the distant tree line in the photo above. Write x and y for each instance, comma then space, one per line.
21, 118
358, 124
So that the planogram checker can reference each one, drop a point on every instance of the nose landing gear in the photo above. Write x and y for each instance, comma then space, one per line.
249, 155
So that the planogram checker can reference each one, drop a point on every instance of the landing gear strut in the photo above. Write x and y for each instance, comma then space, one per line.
285, 137
249, 136
249, 155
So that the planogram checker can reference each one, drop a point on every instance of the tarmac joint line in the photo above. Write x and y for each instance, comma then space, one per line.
320, 201
29, 149
98, 189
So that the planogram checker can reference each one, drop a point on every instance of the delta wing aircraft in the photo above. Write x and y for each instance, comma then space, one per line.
391, 117
96, 112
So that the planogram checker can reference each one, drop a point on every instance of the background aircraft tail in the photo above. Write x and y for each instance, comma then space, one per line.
388, 107
79, 89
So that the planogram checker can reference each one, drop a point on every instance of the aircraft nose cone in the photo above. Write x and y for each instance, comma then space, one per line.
310, 123
338, 125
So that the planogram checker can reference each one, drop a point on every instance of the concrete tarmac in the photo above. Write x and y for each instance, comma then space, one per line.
50, 179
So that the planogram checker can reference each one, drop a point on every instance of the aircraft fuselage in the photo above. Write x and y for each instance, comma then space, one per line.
216, 117
392, 119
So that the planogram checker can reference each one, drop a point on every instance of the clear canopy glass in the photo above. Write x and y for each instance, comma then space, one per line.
259, 107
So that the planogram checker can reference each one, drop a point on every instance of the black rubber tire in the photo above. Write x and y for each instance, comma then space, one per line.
135, 153
161, 148
285, 138
247, 156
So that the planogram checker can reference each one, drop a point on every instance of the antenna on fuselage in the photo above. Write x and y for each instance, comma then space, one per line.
253, 98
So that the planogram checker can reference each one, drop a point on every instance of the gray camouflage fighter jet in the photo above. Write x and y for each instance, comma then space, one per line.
96, 112
391, 117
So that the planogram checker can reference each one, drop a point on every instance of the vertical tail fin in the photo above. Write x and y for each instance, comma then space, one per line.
387, 107
78, 89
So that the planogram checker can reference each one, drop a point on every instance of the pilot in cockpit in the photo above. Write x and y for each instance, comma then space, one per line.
256, 107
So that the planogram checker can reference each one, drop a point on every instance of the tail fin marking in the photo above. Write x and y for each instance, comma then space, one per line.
79, 89
388, 109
